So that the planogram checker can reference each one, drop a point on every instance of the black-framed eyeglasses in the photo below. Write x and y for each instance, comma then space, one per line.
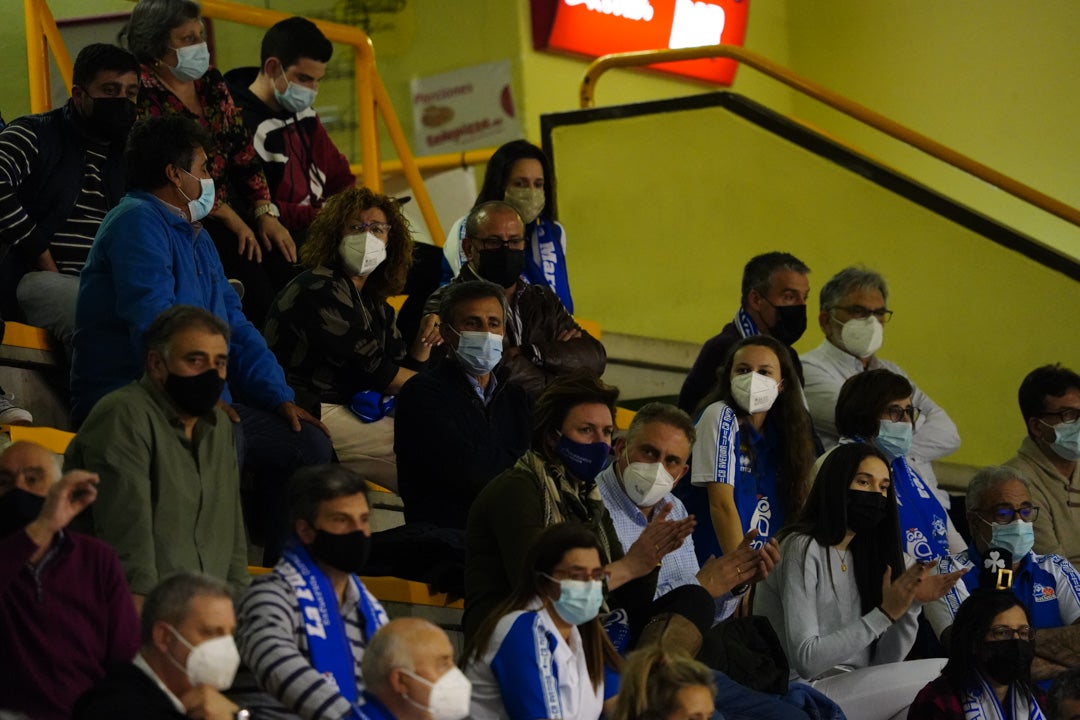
1004, 632
1003, 514
861, 312
376, 228
497, 243
1066, 417
599, 574
897, 413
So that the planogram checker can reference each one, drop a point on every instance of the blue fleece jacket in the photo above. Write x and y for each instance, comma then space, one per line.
145, 258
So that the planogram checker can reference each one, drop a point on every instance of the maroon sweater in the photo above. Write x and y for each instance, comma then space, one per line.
61, 622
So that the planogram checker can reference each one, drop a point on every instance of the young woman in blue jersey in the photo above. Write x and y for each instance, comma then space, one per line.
754, 449
875, 407
520, 174
543, 652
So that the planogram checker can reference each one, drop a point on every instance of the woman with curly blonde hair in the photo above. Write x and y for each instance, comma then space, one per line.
334, 332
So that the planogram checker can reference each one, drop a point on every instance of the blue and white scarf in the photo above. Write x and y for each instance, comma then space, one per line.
980, 703
746, 325
924, 526
328, 645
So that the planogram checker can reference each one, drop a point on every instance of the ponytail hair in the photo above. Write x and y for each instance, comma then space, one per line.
651, 681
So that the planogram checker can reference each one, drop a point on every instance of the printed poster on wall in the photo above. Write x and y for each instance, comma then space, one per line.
465, 109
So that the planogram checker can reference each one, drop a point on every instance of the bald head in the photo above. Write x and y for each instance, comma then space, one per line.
410, 644
28, 466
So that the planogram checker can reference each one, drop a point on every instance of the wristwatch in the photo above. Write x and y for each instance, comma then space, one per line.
242, 714
268, 209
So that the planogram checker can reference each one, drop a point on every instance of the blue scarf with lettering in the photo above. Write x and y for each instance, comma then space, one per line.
545, 263
923, 522
755, 477
746, 325
328, 645
980, 703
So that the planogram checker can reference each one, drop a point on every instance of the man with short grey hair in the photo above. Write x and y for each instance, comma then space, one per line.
853, 316
406, 659
187, 658
1000, 514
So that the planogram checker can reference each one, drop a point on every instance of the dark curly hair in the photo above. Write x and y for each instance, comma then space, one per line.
324, 237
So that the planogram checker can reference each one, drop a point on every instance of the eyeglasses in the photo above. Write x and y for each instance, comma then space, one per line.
1066, 417
580, 575
859, 312
1003, 514
897, 413
1004, 632
497, 243
376, 228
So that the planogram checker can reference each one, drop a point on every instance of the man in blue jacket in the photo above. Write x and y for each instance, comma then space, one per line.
151, 253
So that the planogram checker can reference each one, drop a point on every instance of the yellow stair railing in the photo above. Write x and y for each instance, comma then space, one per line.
587, 97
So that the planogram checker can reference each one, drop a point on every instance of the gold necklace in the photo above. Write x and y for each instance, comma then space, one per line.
843, 560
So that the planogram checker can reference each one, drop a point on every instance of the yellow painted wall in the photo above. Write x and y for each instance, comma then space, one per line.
662, 255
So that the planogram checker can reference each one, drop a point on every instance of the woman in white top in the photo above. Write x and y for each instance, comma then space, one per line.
543, 652
840, 599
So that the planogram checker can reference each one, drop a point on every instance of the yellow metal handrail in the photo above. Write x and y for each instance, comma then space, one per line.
836, 101
371, 97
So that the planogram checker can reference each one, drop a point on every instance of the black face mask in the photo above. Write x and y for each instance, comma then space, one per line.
347, 552
196, 395
18, 509
864, 510
790, 323
1007, 661
112, 118
502, 267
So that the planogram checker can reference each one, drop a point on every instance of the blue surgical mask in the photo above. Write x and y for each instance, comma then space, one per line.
1067, 441
579, 600
201, 206
192, 62
894, 439
583, 460
478, 352
296, 98
1018, 537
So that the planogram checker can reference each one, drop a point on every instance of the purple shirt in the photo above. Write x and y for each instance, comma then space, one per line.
61, 622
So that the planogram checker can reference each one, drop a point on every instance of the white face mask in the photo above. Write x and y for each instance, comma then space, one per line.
449, 698
646, 483
862, 338
754, 392
361, 254
213, 662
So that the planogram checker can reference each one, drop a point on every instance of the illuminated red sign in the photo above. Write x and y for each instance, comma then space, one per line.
601, 27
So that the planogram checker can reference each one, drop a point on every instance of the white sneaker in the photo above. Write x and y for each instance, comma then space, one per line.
11, 414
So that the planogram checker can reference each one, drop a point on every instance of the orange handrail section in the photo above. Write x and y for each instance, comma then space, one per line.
42, 36
598, 67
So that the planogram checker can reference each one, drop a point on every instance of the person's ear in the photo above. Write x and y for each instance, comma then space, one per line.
395, 679
780, 385
156, 366
172, 174
823, 321
304, 531
467, 247
1034, 427
681, 475
271, 68
753, 300
619, 445
160, 635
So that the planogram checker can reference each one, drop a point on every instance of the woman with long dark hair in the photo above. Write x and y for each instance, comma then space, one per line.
754, 449
840, 598
519, 173
988, 674
543, 652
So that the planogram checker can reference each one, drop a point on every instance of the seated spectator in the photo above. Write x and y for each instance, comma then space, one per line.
169, 40
542, 652
150, 254
1050, 404
1001, 515
169, 499
302, 165
462, 423
657, 685
188, 657
519, 173
840, 600
542, 340
60, 172
333, 331
65, 611
853, 313
754, 449
775, 289
989, 669
410, 673
554, 482
876, 407
304, 627
1063, 698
